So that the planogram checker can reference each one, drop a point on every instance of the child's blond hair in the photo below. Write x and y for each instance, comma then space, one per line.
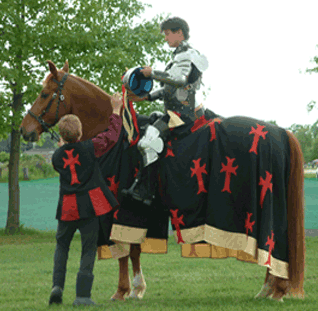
70, 128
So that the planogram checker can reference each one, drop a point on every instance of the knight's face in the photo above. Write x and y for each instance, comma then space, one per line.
173, 38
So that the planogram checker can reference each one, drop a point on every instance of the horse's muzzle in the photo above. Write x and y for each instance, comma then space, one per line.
29, 136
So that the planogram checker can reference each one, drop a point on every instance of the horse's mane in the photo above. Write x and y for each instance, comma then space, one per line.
50, 75
89, 83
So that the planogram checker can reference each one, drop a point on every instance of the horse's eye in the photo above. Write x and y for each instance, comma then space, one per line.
44, 95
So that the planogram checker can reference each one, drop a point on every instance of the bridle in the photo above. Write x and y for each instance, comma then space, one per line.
46, 126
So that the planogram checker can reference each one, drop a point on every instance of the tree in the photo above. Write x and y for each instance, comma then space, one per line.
100, 38
306, 137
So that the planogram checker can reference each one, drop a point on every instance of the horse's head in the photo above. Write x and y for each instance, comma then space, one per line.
51, 104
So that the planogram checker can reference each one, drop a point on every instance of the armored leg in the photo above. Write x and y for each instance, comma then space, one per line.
150, 146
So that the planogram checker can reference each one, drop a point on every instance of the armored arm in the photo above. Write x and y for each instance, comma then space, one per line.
157, 94
177, 75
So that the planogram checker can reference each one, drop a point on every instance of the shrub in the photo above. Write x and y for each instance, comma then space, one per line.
37, 166
4, 157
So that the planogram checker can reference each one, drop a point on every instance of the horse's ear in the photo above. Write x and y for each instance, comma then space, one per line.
65, 68
52, 69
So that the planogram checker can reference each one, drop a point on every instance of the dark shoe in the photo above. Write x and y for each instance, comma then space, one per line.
83, 301
56, 295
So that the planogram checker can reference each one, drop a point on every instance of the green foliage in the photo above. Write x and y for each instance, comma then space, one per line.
146, 108
307, 136
311, 105
4, 157
99, 38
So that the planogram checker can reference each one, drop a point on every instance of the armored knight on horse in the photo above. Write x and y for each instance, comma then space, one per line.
179, 83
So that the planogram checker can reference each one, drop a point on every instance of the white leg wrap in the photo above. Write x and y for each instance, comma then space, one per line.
138, 286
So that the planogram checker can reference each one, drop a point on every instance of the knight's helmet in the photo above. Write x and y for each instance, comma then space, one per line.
136, 82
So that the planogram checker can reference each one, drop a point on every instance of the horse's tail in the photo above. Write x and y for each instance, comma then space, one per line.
295, 217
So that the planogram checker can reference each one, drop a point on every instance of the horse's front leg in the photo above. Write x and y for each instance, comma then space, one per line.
124, 280
139, 283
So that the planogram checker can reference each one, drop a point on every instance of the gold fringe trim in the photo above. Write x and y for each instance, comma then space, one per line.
119, 250
104, 252
128, 234
223, 244
154, 246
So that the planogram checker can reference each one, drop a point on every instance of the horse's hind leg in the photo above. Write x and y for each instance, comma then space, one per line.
139, 283
267, 289
281, 288
274, 287
124, 281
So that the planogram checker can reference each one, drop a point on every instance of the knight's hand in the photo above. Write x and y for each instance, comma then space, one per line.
146, 71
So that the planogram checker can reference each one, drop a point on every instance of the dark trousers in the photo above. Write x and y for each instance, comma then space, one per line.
89, 235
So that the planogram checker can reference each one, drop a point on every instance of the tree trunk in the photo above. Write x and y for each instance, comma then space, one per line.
13, 220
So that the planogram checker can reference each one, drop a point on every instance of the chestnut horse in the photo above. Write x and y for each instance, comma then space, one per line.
92, 106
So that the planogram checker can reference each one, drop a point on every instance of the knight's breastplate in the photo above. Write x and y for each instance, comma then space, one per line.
182, 99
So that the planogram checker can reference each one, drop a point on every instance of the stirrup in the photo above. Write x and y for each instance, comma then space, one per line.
135, 195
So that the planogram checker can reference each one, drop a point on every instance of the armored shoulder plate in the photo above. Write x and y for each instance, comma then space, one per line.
199, 60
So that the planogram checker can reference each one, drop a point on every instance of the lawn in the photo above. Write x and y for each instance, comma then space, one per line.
173, 283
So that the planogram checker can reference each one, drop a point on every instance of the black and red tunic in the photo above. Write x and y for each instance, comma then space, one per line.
83, 190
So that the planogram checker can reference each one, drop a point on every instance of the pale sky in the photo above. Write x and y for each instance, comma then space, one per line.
258, 52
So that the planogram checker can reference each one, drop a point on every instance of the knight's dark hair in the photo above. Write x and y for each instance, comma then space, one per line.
174, 24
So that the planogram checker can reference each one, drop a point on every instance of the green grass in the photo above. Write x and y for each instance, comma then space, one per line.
173, 283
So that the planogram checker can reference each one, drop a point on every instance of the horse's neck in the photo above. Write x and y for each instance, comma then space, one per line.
92, 105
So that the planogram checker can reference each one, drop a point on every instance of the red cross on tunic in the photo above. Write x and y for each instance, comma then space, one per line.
228, 169
198, 123
136, 172
169, 150
116, 214
271, 243
198, 171
248, 224
71, 161
258, 132
212, 128
113, 185
177, 222
266, 184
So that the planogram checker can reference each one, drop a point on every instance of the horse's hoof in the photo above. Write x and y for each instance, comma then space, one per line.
120, 297
138, 293
117, 297
139, 287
